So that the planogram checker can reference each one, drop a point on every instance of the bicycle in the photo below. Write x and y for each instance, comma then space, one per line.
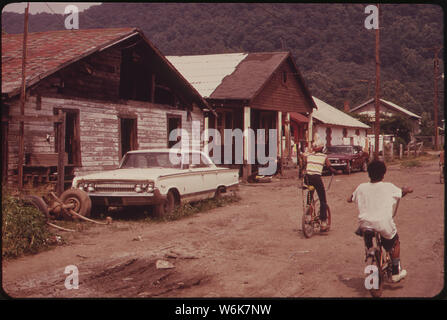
377, 257
310, 221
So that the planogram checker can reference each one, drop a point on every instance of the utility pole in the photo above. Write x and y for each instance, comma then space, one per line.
435, 95
22, 102
377, 98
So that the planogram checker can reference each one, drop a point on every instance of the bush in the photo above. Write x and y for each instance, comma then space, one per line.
24, 228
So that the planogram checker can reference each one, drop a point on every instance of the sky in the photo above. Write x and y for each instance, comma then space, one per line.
38, 7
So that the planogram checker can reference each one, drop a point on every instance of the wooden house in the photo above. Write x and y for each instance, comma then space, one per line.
116, 90
250, 91
390, 109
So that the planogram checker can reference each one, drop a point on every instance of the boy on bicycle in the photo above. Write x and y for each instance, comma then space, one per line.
376, 201
313, 164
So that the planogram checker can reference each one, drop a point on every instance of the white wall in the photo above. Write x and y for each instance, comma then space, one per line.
337, 135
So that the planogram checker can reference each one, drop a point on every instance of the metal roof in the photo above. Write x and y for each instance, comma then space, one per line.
332, 116
389, 104
50, 51
234, 76
206, 72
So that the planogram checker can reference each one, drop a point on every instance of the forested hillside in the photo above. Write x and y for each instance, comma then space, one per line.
332, 48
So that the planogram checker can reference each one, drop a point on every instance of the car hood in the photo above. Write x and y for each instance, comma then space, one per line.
131, 174
339, 156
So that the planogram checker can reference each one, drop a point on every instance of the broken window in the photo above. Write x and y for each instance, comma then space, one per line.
135, 77
72, 136
174, 122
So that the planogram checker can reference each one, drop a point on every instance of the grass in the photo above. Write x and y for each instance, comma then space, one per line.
412, 161
189, 209
182, 211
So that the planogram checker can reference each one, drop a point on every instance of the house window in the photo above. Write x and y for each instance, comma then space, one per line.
357, 132
174, 122
284, 77
72, 136
345, 133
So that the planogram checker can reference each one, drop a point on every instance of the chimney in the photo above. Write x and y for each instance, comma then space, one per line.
346, 106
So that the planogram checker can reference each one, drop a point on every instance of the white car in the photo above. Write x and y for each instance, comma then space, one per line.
162, 178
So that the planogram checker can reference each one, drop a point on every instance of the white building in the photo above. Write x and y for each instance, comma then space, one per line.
335, 127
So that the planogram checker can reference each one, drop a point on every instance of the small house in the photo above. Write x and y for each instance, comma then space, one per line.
250, 91
390, 109
335, 127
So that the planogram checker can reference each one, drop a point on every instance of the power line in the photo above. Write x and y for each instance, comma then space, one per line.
57, 15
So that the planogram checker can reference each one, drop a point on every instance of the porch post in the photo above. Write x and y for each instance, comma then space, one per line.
279, 140
288, 137
309, 132
205, 134
246, 169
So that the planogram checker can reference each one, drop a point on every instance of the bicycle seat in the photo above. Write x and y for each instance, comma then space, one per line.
305, 187
365, 232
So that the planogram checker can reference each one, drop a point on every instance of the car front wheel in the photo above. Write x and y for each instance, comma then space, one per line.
348, 168
165, 208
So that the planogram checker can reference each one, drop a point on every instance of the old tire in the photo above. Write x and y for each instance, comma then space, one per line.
38, 203
80, 199
165, 208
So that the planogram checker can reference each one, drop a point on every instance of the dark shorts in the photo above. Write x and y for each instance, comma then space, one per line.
388, 244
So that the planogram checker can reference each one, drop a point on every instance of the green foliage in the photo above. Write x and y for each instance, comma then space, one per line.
397, 125
332, 48
24, 228
427, 124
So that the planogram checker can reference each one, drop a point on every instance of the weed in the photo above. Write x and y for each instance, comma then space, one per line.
24, 228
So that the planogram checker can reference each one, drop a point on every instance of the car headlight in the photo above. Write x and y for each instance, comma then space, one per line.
138, 188
150, 187
91, 187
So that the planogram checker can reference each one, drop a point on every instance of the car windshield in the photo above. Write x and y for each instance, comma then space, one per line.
149, 160
339, 149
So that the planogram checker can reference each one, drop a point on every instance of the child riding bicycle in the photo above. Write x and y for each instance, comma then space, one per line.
313, 164
376, 200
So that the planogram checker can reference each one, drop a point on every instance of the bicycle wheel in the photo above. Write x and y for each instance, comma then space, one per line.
377, 279
307, 222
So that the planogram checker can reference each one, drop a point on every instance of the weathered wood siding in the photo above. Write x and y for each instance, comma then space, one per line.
282, 96
99, 129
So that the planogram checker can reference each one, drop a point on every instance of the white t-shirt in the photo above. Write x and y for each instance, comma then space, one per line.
376, 203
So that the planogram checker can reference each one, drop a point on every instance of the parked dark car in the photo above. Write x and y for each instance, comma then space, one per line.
347, 158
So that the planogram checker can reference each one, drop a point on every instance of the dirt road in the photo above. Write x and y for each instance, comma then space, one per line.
253, 248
